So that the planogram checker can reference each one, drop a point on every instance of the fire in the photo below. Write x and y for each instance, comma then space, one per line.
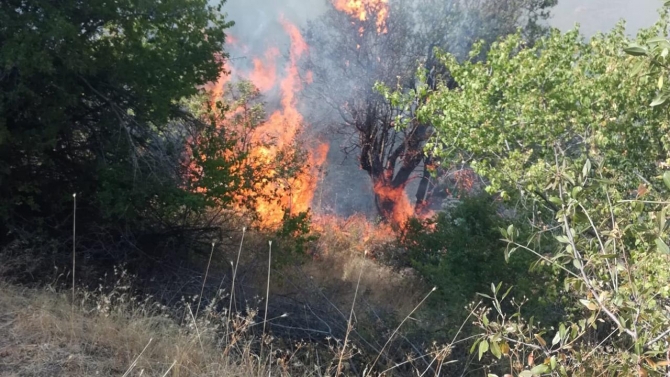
400, 209
264, 75
360, 9
275, 139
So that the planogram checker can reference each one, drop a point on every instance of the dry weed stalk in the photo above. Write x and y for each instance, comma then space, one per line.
74, 234
349, 326
396, 330
204, 279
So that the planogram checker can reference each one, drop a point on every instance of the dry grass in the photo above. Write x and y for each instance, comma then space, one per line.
348, 248
41, 335
111, 333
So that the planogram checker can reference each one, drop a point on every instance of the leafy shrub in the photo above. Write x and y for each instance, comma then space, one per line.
460, 252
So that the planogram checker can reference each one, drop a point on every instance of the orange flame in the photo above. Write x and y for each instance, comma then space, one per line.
275, 139
360, 9
264, 75
401, 209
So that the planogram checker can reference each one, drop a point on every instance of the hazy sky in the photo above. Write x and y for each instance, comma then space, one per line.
258, 18
601, 15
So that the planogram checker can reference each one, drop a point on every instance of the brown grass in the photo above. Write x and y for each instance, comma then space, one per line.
40, 335
348, 248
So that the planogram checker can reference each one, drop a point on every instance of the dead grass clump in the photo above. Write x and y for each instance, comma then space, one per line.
348, 248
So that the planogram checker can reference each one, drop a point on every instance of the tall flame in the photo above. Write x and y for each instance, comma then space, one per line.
278, 135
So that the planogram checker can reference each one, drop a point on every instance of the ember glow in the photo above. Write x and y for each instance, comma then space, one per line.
361, 10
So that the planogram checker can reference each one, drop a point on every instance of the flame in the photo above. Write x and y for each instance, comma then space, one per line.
264, 75
401, 208
275, 139
359, 9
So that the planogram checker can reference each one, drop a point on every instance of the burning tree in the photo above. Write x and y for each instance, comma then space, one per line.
280, 166
357, 44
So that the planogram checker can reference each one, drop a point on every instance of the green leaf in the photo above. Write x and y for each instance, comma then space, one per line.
474, 345
635, 50
557, 339
495, 349
659, 100
656, 40
483, 347
638, 68
553, 362
562, 330
577, 264
540, 370
660, 82
526, 373
587, 168
562, 239
589, 304
556, 200
666, 179
661, 219
662, 247
576, 191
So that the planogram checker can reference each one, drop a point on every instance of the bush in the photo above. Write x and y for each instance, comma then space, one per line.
460, 252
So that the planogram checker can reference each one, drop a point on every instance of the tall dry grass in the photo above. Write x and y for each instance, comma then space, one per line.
111, 332
41, 335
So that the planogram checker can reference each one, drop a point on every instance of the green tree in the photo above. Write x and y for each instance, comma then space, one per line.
564, 132
88, 95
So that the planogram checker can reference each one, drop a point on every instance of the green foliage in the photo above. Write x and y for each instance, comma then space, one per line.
221, 170
89, 97
565, 132
459, 252
294, 236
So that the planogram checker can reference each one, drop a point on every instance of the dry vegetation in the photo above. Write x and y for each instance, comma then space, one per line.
312, 329
41, 334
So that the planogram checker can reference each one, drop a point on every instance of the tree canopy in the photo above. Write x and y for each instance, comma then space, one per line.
87, 90
564, 134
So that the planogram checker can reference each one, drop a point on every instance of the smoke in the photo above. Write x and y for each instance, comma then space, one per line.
257, 22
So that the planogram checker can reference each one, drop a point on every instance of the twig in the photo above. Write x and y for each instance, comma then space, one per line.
398, 328
578, 257
195, 324
170, 368
349, 326
74, 234
656, 339
267, 299
204, 280
134, 363
232, 289
267, 292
